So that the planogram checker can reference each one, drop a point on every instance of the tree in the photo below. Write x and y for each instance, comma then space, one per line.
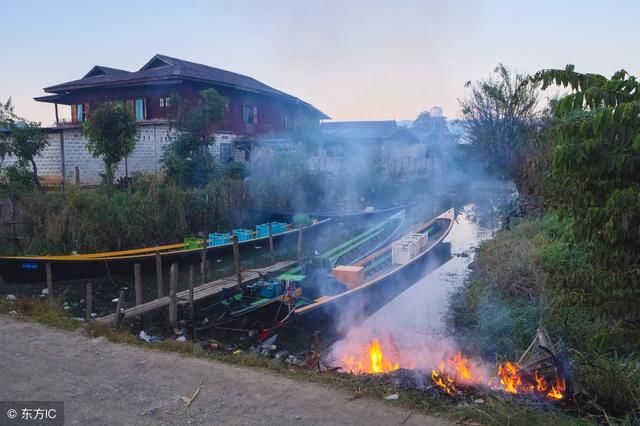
112, 133
187, 159
22, 139
501, 121
27, 142
595, 166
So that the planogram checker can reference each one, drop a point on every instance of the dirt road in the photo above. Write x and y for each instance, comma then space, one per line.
103, 383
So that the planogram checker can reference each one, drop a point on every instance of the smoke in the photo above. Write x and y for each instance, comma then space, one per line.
407, 319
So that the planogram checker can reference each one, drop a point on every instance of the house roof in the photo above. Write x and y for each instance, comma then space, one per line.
366, 130
162, 68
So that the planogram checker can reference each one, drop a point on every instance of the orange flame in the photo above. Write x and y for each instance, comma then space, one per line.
459, 371
374, 363
512, 378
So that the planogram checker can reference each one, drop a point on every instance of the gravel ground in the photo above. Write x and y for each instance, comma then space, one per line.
103, 383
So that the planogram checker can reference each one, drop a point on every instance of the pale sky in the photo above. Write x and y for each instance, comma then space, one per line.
354, 60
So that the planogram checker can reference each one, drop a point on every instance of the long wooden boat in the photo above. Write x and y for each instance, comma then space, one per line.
21, 269
263, 215
249, 303
384, 280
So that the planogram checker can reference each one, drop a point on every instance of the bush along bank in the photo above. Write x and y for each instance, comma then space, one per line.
531, 276
149, 213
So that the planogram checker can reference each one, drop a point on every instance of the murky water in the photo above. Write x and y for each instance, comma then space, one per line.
418, 314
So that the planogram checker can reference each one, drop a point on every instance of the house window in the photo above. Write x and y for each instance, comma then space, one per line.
164, 102
140, 109
80, 112
250, 114
225, 152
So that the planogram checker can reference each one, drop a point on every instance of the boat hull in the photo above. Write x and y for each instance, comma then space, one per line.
33, 269
335, 315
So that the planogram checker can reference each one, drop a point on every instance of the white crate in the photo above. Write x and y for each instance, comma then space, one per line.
407, 248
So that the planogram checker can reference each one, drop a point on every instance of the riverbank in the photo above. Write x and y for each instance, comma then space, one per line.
530, 276
69, 344
105, 383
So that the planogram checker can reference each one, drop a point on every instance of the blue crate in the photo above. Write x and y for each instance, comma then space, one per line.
276, 228
218, 239
243, 234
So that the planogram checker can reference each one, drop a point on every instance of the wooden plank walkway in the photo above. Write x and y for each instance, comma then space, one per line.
200, 292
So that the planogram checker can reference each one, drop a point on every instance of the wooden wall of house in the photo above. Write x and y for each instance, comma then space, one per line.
275, 113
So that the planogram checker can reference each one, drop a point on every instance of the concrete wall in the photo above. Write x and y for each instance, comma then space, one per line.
146, 157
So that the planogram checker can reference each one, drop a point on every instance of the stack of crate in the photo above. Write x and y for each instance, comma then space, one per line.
276, 228
243, 234
407, 248
217, 239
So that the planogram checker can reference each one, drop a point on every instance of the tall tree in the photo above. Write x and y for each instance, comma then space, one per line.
112, 133
596, 167
502, 122
187, 159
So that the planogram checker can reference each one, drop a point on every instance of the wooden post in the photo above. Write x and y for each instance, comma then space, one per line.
300, 247
63, 170
236, 259
160, 283
50, 294
173, 286
118, 317
203, 266
77, 175
271, 240
88, 304
137, 277
191, 291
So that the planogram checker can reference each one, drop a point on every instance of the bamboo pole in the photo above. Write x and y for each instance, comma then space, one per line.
160, 283
236, 259
173, 286
88, 304
137, 277
203, 266
50, 294
191, 291
271, 240
300, 246
118, 317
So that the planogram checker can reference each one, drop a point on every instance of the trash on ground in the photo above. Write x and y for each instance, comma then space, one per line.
149, 338
391, 397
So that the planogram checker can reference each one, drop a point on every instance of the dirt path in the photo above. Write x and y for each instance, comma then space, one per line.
105, 383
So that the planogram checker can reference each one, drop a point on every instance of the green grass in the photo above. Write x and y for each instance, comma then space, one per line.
495, 410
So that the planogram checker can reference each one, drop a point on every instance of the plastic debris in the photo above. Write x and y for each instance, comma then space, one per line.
148, 338
270, 341
181, 339
13, 313
11, 298
115, 300
391, 397
45, 292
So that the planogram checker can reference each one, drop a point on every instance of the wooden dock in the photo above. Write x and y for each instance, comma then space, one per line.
200, 292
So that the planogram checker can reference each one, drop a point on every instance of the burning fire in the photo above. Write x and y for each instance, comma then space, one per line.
374, 363
457, 372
